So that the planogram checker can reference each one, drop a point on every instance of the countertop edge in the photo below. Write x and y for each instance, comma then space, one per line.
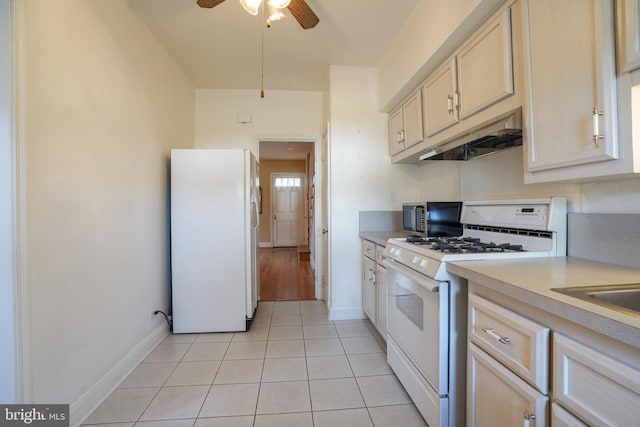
380, 237
592, 320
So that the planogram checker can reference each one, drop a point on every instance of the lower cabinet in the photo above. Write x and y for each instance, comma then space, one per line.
498, 397
560, 417
593, 381
374, 286
595, 386
369, 287
507, 367
381, 306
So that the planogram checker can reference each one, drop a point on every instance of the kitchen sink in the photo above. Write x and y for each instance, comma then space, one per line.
624, 298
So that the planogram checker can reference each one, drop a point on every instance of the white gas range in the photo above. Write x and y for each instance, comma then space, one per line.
427, 306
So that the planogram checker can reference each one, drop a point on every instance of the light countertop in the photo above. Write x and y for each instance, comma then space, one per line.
380, 237
530, 281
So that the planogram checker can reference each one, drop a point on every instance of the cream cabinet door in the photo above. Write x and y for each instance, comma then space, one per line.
440, 99
595, 386
381, 306
485, 67
369, 287
396, 132
412, 114
497, 397
572, 99
560, 417
629, 19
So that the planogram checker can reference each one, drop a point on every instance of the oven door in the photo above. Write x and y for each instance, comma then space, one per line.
418, 322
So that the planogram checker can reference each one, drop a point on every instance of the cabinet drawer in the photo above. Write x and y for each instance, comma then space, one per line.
369, 249
560, 417
519, 343
379, 254
594, 386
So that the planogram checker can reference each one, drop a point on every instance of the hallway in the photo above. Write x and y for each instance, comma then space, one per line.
283, 277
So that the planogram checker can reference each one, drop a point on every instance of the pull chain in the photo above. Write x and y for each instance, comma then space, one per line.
262, 68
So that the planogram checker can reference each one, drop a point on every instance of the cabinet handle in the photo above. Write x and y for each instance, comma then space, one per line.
450, 104
527, 417
491, 332
596, 126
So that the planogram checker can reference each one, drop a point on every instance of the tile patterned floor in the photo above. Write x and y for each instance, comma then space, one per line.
293, 368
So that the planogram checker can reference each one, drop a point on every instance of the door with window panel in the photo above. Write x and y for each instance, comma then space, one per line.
288, 209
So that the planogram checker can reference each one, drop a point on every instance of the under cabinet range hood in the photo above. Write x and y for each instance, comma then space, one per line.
487, 139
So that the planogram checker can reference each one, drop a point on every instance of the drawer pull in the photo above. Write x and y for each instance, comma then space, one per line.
493, 334
527, 417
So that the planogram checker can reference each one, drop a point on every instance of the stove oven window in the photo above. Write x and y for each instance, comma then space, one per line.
409, 304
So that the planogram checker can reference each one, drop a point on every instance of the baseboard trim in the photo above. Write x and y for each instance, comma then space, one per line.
353, 313
92, 398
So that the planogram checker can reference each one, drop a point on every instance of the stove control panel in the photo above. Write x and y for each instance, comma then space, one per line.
530, 212
415, 261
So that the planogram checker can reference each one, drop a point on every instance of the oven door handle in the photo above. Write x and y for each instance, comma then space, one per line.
423, 281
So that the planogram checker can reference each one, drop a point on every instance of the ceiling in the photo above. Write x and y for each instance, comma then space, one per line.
285, 150
220, 48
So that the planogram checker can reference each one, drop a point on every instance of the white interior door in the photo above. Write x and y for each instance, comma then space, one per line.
323, 280
288, 209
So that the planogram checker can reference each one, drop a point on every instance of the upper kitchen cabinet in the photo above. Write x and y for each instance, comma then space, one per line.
441, 98
485, 67
405, 124
629, 20
477, 76
571, 108
476, 85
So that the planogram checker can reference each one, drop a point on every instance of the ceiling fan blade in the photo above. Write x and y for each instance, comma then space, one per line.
209, 3
303, 14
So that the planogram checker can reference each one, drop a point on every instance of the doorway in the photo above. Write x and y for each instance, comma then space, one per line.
289, 219
286, 227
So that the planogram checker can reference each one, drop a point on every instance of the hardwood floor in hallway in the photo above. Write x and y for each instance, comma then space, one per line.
283, 277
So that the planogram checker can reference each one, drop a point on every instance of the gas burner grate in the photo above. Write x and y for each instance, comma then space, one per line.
460, 245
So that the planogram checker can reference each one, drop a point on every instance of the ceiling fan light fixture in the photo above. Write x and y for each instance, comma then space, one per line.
251, 6
275, 14
279, 4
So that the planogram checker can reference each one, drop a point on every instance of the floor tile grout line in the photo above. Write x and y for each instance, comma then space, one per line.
162, 386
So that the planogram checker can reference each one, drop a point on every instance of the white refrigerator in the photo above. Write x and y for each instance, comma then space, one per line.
214, 246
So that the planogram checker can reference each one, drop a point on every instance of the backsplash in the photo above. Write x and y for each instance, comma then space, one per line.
609, 238
500, 176
380, 221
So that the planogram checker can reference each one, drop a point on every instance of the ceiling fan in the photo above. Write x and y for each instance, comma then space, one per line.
298, 8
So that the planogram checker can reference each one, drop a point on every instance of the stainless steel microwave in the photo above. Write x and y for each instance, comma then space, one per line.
432, 219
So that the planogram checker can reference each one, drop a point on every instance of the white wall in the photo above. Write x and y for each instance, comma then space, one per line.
361, 178
279, 115
104, 105
7, 338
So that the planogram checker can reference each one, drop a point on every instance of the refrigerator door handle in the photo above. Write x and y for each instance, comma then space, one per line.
254, 214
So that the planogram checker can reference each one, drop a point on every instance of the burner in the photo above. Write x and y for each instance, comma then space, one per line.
416, 240
510, 247
459, 245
